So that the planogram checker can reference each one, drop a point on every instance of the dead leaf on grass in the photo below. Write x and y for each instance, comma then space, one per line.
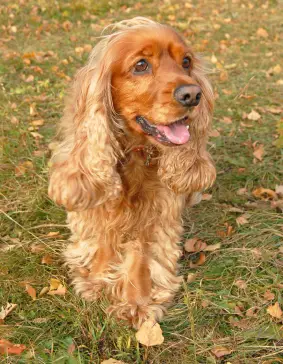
206, 197
258, 152
37, 248
191, 277
150, 333
242, 192
14, 120
199, 262
43, 291
279, 190
38, 122
214, 133
235, 209
254, 115
8, 348
23, 167
54, 284
274, 310
242, 220
6, 310
53, 234
220, 351
60, 291
264, 194
252, 312
241, 284
31, 291
268, 295
194, 245
261, 32
212, 247
47, 259
226, 120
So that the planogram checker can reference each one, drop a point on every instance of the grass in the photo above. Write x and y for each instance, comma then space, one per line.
42, 39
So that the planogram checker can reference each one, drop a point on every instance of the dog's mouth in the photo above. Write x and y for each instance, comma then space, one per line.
175, 133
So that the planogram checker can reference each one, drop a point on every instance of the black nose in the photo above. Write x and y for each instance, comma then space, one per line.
188, 95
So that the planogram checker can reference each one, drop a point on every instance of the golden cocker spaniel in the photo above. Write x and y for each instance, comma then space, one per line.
132, 154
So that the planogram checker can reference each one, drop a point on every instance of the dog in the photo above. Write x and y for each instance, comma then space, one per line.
131, 156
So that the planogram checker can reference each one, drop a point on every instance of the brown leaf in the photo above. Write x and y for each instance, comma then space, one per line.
269, 296
36, 135
14, 120
258, 152
5, 310
53, 234
71, 348
241, 284
23, 167
214, 133
220, 351
223, 76
47, 259
252, 312
38, 122
226, 120
8, 348
194, 245
262, 33
241, 324
242, 192
191, 277
31, 291
264, 194
274, 310
253, 115
150, 333
242, 220
30, 78
200, 261
37, 248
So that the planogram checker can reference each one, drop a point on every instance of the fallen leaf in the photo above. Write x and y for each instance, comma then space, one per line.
14, 120
235, 209
71, 348
242, 220
214, 133
262, 33
37, 248
241, 324
38, 122
194, 245
36, 135
60, 291
43, 291
200, 261
253, 115
150, 333
223, 76
40, 320
8, 348
258, 152
205, 303
220, 351
226, 120
52, 234
277, 69
274, 310
54, 284
23, 167
46, 259
30, 78
112, 361
269, 296
31, 291
241, 284
191, 277
252, 312
212, 247
264, 194
213, 59
206, 197
242, 192
5, 310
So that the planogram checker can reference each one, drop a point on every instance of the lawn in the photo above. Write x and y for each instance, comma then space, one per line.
229, 311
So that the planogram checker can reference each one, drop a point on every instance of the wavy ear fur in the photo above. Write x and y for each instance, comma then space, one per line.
83, 172
190, 168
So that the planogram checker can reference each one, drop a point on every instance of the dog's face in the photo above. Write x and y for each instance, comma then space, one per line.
153, 87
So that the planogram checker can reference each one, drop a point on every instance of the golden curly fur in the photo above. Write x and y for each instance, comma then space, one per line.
123, 189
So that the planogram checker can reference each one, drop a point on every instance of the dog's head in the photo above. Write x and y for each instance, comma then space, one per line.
157, 88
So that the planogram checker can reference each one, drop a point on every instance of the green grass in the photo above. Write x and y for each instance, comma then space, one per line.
209, 312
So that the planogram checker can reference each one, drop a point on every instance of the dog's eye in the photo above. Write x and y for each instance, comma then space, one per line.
141, 66
186, 62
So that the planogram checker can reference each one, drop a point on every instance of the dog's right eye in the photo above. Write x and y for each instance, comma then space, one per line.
141, 66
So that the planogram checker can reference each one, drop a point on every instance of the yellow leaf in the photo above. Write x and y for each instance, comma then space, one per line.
277, 69
38, 122
220, 351
264, 194
60, 291
31, 291
150, 333
274, 310
54, 284
53, 234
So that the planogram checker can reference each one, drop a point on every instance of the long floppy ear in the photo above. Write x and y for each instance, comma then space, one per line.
187, 169
83, 171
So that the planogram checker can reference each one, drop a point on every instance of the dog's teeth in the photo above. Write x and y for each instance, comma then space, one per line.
188, 127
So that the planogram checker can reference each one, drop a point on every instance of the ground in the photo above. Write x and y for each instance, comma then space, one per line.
229, 312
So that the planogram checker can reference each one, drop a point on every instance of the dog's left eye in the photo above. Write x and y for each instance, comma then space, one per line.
141, 66
186, 63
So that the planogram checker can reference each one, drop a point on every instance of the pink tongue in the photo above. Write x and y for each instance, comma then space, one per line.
176, 133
